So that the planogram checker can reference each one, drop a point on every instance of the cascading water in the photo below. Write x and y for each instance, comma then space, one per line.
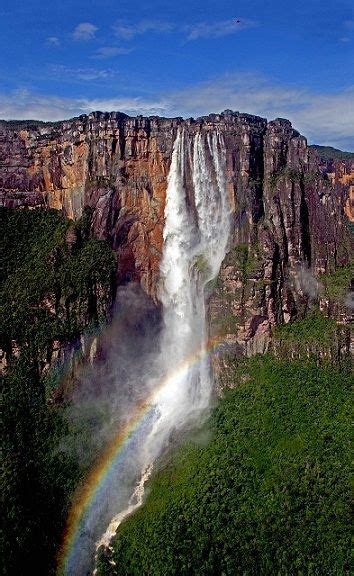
195, 241
196, 232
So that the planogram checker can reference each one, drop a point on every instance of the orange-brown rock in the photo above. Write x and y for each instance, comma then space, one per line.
287, 213
114, 164
341, 175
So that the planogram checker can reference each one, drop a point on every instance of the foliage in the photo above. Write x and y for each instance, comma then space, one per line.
337, 285
201, 264
245, 259
27, 124
55, 281
268, 495
312, 177
330, 153
285, 173
37, 476
315, 339
314, 329
55, 278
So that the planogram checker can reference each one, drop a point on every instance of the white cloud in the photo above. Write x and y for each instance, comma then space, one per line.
326, 119
194, 31
84, 31
131, 106
128, 31
110, 51
218, 28
323, 118
53, 40
22, 105
329, 117
82, 74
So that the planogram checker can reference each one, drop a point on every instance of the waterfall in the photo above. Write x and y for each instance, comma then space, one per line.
195, 242
196, 232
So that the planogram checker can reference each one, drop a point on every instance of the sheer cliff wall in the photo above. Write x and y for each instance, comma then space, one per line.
288, 220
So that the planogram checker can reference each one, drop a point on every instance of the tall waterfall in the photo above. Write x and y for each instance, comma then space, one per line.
196, 232
195, 237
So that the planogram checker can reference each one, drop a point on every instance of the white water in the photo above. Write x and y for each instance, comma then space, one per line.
194, 247
135, 502
195, 242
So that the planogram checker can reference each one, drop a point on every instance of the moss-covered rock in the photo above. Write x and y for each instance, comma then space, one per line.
56, 280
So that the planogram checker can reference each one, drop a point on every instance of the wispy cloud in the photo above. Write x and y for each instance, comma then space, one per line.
84, 31
131, 106
348, 34
128, 31
349, 24
53, 40
22, 104
218, 28
324, 118
82, 74
215, 29
106, 52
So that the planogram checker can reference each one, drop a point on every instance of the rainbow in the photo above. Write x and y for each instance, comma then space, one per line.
88, 494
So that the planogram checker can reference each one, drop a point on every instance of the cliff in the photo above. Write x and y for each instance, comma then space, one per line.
289, 220
341, 175
289, 250
56, 287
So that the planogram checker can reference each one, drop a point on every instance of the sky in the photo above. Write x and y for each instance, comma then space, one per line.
273, 58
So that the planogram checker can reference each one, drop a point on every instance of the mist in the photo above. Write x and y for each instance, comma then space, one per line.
156, 356
107, 390
306, 283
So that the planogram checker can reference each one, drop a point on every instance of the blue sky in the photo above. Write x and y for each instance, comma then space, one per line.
187, 58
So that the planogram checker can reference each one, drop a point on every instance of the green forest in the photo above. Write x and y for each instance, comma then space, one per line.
330, 153
261, 488
269, 494
56, 282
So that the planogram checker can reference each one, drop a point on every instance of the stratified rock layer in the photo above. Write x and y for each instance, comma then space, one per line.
288, 219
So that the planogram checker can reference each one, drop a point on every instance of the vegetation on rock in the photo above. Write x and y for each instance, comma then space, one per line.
268, 494
55, 281
330, 153
315, 339
337, 285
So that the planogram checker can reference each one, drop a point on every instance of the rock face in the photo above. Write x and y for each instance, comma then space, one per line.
115, 164
288, 219
341, 175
